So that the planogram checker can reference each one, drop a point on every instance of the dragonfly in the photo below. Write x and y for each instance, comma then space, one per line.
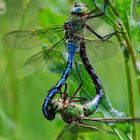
77, 116
71, 36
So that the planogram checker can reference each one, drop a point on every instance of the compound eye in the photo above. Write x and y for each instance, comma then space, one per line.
76, 10
55, 106
79, 9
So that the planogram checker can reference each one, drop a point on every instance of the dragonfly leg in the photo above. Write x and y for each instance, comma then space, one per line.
103, 38
60, 93
93, 127
81, 82
80, 99
64, 97
65, 92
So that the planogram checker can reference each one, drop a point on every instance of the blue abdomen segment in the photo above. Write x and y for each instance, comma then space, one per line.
72, 48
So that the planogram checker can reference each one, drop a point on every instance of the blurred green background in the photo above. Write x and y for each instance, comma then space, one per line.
22, 93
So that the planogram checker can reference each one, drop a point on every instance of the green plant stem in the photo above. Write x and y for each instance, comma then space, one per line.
131, 97
125, 37
134, 59
131, 51
129, 85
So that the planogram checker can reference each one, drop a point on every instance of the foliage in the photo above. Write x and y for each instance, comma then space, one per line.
22, 92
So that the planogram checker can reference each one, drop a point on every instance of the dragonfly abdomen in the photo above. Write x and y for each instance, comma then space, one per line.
49, 114
92, 73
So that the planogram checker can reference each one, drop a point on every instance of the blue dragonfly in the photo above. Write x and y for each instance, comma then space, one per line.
70, 35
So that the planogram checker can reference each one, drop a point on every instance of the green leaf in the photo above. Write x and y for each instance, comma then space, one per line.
57, 63
89, 93
108, 17
125, 13
46, 20
105, 106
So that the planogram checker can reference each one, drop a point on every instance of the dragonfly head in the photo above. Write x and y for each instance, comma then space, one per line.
54, 107
79, 9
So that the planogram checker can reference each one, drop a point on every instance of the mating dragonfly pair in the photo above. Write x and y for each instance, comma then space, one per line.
75, 40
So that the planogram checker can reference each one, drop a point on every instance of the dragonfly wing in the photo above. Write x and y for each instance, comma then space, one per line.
24, 39
99, 50
122, 124
61, 134
53, 60
73, 131
88, 127
20, 39
96, 48
68, 132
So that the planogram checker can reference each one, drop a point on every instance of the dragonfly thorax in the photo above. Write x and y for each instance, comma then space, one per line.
75, 25
74, 29
68, 111
72, 112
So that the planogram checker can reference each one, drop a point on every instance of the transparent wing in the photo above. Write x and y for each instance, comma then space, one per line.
49, 38
90, 127
72, 131
50, 58
96, 48
68, 132
99, 50
24, 39
124, 124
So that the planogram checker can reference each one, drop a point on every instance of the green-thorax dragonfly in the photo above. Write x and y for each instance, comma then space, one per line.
72, 35
77, 118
